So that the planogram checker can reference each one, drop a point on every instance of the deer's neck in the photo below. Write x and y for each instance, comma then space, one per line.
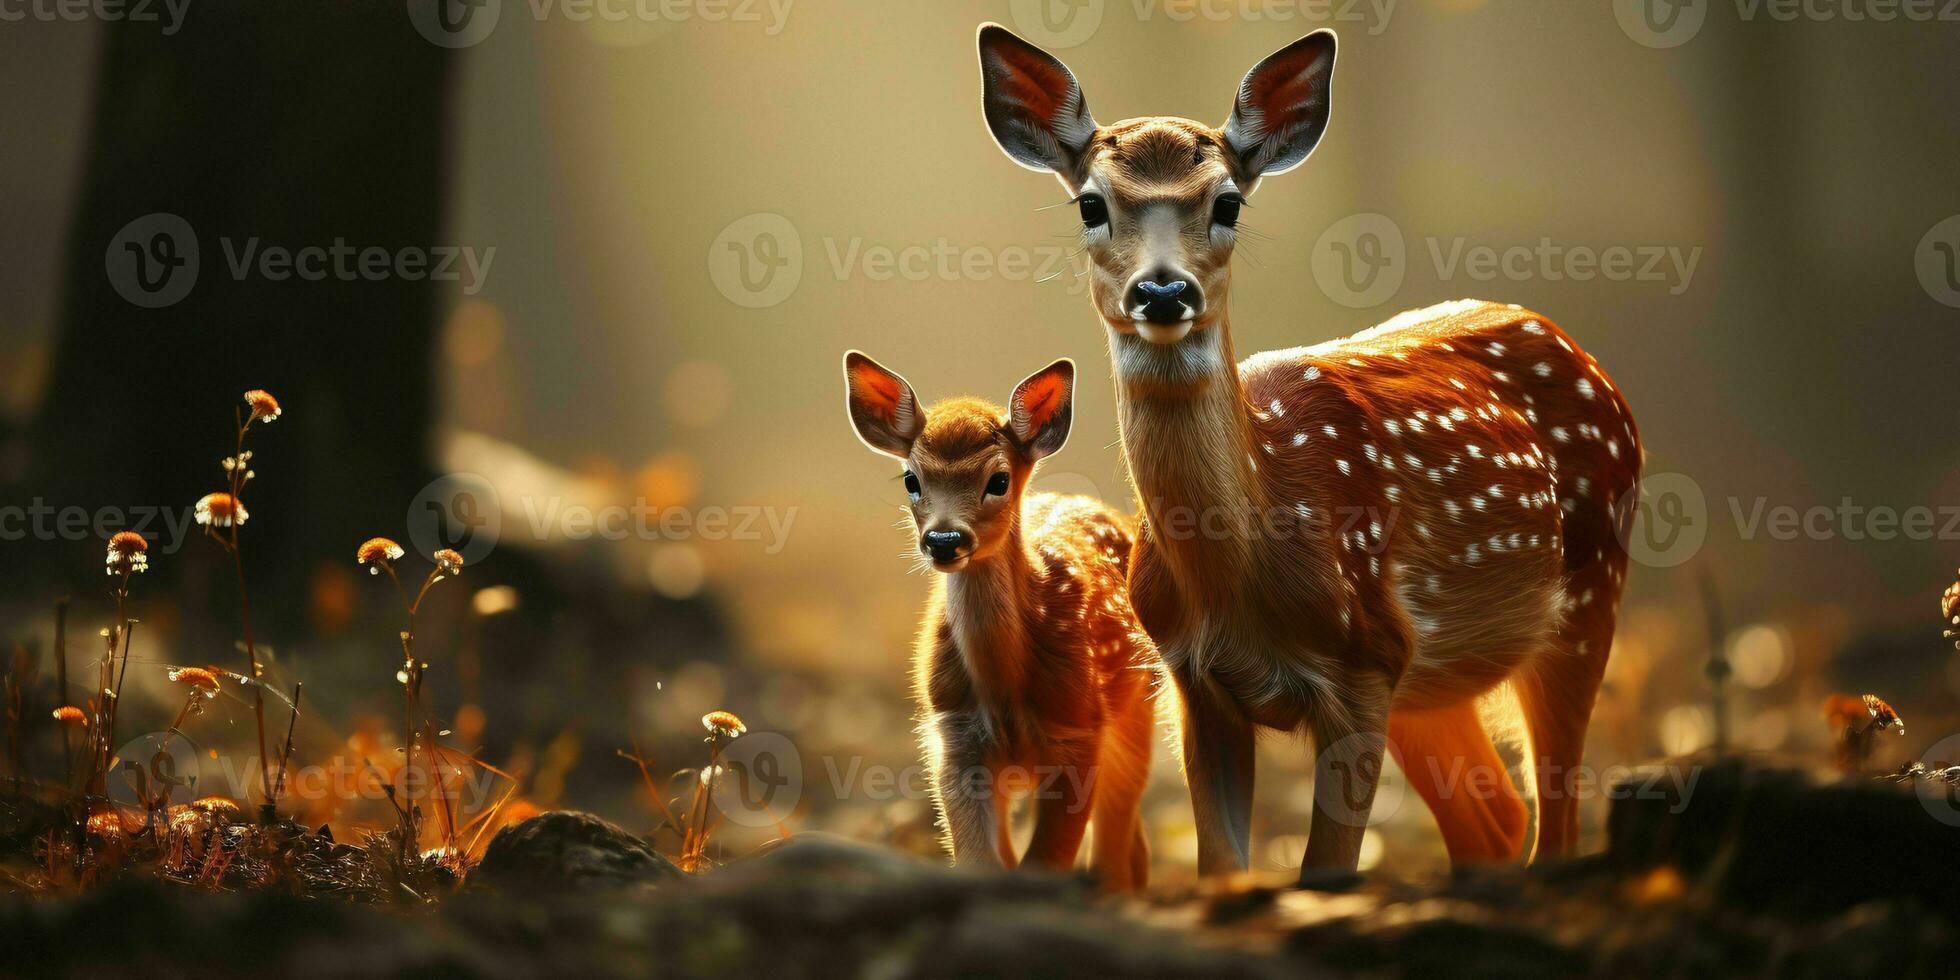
987, 603
1189, 439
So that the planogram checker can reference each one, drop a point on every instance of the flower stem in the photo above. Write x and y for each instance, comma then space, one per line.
245, 616
252, 656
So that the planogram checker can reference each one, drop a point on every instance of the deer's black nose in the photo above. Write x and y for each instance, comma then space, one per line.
1163, 299
945, 546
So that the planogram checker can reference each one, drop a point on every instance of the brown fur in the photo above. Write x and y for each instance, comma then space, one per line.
1033, 675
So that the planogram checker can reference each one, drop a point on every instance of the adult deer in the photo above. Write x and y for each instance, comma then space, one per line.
1356, 540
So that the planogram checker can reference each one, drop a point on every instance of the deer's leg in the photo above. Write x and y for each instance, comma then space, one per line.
1349, 737
1064, 791
1123, 767
964, 788
1218, 768
1556, 691
1449, 760
1004, 827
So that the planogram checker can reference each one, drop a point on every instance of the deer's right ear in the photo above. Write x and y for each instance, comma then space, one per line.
1033, 106
883, 409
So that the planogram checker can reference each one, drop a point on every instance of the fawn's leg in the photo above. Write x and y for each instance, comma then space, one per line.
1218, 768
1349, 737
1140, 856
1064, 789
964, 789
1123, 770
1448, 758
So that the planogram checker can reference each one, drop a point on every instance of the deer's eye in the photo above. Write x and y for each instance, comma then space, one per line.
1225, 210
1095, 213
912, 484
997, 485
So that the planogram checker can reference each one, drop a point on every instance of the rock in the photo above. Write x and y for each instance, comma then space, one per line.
1777, 838
569, 851
836, 858
1332, 882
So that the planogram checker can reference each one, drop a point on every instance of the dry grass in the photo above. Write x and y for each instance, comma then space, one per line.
64, 831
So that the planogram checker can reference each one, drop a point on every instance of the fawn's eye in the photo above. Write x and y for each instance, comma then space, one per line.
911, 484
997, 485
1095, 213
1225, 210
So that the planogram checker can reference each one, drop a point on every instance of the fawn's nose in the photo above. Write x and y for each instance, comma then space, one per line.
945, 547
1164, 297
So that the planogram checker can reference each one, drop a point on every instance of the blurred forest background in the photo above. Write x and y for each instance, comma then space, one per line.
693, 218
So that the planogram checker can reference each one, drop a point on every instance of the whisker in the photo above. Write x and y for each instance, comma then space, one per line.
1244, 231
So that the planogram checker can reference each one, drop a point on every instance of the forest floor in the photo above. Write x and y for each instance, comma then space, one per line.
1761, 872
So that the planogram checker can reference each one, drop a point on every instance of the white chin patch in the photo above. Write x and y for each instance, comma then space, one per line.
1163, 333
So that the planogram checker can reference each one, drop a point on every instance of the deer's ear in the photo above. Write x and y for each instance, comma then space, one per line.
883, 409
1282, 106
1033, 106
1042, 408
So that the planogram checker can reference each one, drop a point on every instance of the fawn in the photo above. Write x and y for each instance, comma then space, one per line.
1034, 675
1357, 540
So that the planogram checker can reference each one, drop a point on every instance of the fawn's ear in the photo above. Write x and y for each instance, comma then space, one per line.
883, 409
1282, 106
1033, 106
1041, 409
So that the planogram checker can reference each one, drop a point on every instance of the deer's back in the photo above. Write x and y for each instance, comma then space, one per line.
1462, 461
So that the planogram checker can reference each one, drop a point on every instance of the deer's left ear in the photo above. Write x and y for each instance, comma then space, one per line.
1282, 106
1042, 408
1033, 106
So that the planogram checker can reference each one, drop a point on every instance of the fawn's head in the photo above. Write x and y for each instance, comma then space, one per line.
966, 460
1159, 195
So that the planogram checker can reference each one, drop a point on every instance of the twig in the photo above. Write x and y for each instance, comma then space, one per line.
286, 755
1717, 668
61, 650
